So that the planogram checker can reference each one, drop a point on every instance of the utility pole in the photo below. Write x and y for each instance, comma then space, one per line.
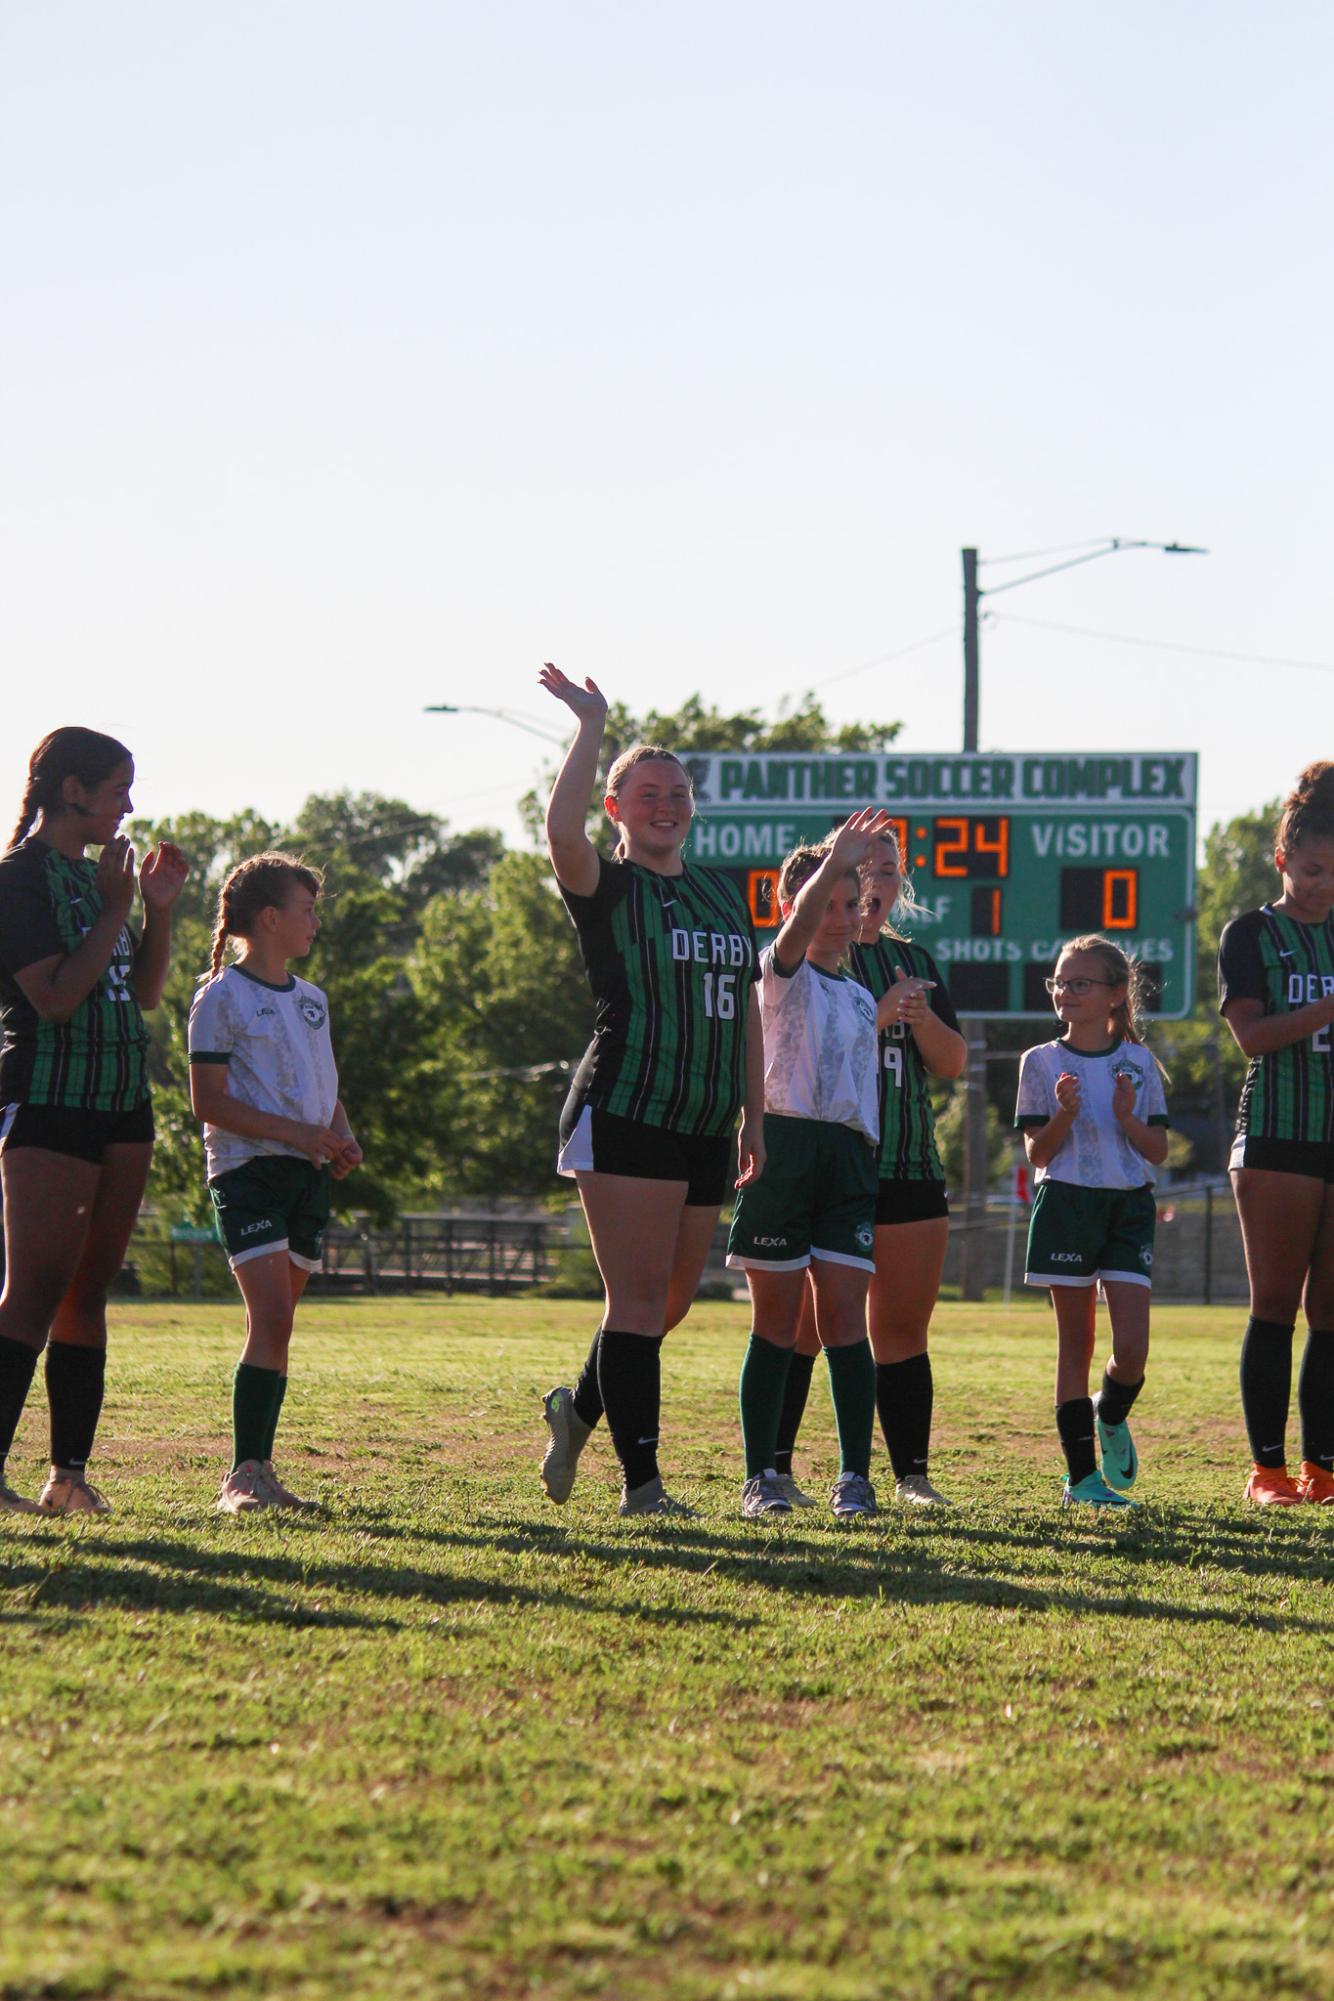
972, 1263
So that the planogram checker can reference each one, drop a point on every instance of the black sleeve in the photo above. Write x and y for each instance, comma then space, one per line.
588, 913
28, 930
1241, 973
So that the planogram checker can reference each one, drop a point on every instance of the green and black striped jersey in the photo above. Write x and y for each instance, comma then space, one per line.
907, 1127
1265, 956
97, 1061
671, 960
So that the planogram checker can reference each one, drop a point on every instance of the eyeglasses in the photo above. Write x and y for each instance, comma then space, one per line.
1075, 988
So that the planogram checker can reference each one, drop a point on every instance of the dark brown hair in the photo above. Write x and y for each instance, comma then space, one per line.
1308, 810
262, 883
66, 753
801, 865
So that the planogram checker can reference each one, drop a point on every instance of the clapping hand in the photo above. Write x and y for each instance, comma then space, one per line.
1067, 1092
1123, 1096
115, 876
162, 876
908, 997
588, 701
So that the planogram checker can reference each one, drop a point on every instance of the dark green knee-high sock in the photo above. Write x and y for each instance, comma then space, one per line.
763, 1380
253, 1392
852, 1386
279, 1392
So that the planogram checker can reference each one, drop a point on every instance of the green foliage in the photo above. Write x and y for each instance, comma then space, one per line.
446, 1740
697, 726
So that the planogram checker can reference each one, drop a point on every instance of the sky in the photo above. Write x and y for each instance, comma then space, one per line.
358, 357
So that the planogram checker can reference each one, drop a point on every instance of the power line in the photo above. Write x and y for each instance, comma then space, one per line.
883, 659
1170, 645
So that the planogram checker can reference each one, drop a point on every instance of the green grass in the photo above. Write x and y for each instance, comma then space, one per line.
450, 1741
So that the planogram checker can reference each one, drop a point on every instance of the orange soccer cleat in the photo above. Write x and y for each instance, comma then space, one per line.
1270, 1487
1315, 1484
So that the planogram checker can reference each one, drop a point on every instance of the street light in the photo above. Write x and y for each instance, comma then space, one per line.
972, 1274
500, 715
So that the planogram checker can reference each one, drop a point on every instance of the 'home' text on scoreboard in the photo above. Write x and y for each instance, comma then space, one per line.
1010, 853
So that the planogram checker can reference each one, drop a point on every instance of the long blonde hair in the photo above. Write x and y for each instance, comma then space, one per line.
905, 904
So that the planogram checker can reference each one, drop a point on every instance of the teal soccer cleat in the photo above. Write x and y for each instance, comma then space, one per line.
1093, 1492
1116, 1448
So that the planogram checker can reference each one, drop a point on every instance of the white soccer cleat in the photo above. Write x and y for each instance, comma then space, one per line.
793, 1494
280, 1496
12, 1503
851, 1496
651, 1499
68, 1493
245, 1489
917, 1491
569, 1436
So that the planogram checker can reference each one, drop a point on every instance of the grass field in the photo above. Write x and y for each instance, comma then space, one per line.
447, 1740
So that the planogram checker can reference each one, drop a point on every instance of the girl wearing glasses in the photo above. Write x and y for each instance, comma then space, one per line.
1094, 1119
1276, 994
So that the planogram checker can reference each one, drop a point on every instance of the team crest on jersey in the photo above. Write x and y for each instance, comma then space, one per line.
865, 1237
312, 1012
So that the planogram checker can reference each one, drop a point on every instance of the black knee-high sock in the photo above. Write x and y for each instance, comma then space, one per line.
18, 1361
1315, 1398
904, 1392
1074, 1421
1266, 1388
75, 1379
587, 1395
795, 1392
1115, 1399
630, 1379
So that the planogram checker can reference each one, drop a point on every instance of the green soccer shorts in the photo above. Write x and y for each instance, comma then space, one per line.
272, 1202
1077, 1236
815, 1199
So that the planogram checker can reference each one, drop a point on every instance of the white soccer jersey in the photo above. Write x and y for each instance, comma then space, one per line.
821, 1056
275, 1043
1096, 1152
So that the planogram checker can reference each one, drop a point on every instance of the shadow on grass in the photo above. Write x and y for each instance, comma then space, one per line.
866, 1566
249, 1584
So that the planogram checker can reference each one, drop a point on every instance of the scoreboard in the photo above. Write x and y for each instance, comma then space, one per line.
1010, 854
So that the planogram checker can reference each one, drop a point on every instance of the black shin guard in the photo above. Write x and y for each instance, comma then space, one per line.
587, 1395
1074, 1421
904, 1392
795, 1392
1115, 1399
1315, 1398
1266, 1388
18, 1363
75, 1378
630, 1378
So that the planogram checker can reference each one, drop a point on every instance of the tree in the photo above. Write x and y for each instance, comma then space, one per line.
697, 726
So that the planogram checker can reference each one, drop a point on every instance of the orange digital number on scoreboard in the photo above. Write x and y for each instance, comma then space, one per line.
1120, 899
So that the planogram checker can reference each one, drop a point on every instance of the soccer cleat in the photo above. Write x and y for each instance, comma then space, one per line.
569, 1435
68, 1493
280, 1496
1093, 1492
15, 1504
244, 1489
1116, 1448
917, 1490
763, 1496
1270, 1487
650, 1499
793, 1494
851, 1496
1315, 1484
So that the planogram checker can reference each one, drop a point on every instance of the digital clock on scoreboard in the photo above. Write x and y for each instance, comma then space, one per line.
1084, 843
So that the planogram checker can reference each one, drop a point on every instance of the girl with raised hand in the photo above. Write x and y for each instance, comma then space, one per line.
1094, 1119
676, 1052
264, 1081
919, 1039
1276, 994
76, 1117
813, 1209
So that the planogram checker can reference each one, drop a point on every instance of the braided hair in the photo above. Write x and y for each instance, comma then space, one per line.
262, 883
66, 753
